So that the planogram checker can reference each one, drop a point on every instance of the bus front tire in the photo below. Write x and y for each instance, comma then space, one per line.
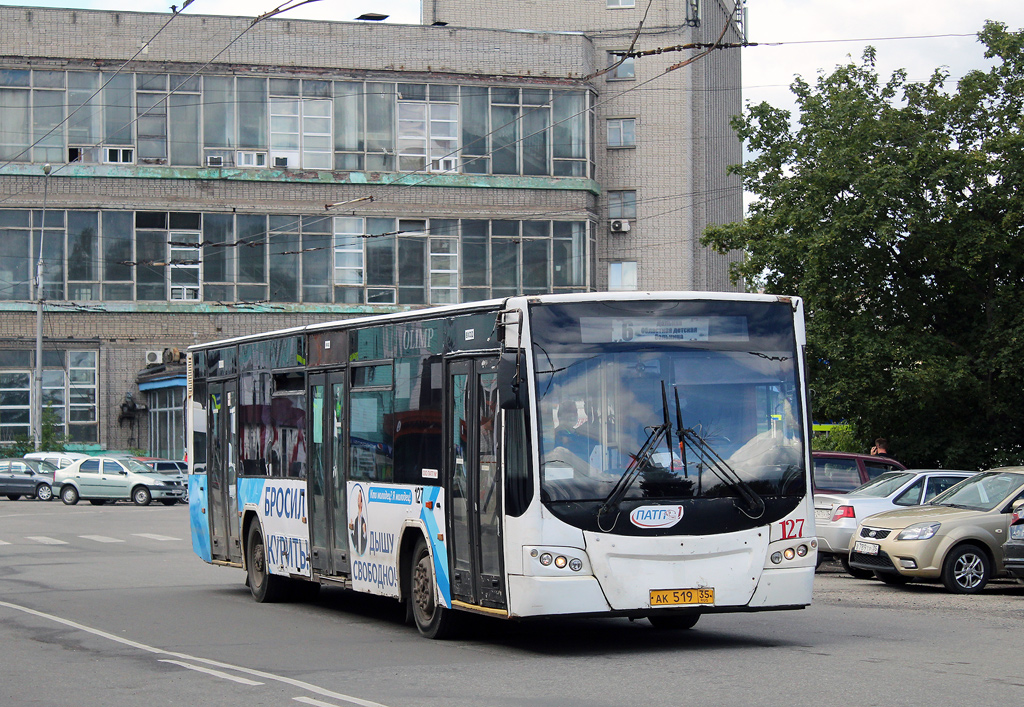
673, 622
432, 619
265, 587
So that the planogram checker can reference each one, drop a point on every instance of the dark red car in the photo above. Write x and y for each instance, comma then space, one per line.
839, 472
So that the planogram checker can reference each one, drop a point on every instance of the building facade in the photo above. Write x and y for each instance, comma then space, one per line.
179, 181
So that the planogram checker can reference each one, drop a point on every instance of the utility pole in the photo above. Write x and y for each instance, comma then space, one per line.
37, 383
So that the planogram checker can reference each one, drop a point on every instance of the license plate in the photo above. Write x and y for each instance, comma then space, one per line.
865, 548
822, 514
678, 597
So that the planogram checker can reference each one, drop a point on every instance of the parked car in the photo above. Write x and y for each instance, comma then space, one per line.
840, 472
103, 479
26, 477
1013, 549
956, 539
836, 515
171, 467
58, 459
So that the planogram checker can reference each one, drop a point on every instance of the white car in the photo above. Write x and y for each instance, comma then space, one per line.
836, 515
58, 459
103, 479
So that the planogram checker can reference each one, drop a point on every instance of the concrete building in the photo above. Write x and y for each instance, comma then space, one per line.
209, 177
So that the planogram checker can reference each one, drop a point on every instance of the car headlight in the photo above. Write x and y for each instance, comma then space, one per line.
919, 531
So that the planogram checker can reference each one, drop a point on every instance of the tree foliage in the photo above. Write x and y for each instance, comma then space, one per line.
895, 209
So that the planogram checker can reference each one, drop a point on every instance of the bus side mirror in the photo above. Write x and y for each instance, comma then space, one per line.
512, 380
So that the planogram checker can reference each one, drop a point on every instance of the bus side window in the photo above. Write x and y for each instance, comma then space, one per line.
518, 478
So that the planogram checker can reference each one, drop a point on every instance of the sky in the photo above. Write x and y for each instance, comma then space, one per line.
767, 70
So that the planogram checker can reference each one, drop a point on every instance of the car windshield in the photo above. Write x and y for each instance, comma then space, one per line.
136, 466
43, 467
883, 485
607, 376
982, 492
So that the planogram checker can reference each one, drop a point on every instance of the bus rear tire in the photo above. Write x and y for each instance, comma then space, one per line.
432, 619
674, 622
265, 587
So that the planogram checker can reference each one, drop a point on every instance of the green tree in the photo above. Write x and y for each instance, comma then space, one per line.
895, 209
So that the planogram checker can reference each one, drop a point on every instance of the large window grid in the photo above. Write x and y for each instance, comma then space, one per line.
69, 394
231, 259
227, 121
166, 423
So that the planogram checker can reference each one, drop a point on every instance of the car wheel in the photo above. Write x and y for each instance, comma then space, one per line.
966, 570
44, 492
265, 587
69, 495
893, 580
13, 496
674, 622
168, 501
141, 496
432, 620
854, 571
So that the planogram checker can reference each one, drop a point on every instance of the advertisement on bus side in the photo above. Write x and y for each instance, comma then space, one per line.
283, 512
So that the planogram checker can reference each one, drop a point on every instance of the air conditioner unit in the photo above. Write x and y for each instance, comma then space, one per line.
215, 160
619, 226
154, 357
281, 162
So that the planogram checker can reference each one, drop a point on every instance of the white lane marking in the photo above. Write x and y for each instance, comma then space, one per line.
211, 671
4, 542
154, 536
316, 703
43, 540
308, 687
101, 538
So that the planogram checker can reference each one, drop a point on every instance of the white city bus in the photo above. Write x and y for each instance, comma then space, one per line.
634, 454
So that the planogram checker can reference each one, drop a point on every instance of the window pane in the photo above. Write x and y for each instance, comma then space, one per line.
252, 113
218, 111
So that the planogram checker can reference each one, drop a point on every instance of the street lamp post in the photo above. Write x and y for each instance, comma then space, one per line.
37, 384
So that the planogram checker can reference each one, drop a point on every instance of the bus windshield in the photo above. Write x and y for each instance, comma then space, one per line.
723, 373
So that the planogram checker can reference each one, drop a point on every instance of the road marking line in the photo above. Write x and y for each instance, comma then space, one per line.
316, 703
43, 540
154, 536
4, 542
101, 538
211, 671
308, 687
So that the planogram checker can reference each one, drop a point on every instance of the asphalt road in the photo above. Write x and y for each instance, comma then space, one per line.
108, 606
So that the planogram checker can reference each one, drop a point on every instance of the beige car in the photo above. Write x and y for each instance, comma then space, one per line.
957, 538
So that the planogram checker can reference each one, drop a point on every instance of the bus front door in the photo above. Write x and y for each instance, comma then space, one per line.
327, 507
221, 472
473, 482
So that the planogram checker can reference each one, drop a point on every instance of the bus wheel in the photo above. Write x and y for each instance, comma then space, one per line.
673, 622
265, 587
432, 620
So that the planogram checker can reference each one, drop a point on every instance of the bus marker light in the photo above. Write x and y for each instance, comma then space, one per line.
429, 505
561, 562
440, 537
533, 552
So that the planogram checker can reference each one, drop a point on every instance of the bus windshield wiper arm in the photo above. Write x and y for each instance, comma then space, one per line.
637, 463
709, 458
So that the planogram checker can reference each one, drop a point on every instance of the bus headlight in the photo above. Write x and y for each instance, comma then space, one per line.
777, 557
545, 559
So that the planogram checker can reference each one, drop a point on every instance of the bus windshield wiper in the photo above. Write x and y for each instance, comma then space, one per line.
708, 458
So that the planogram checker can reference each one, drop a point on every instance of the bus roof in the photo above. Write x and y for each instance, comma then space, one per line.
495, 304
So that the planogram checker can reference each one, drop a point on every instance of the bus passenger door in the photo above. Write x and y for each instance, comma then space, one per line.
327, 508
222, 472
473, 482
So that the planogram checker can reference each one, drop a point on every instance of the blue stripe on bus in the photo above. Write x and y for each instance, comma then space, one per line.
250, 490
199, 521
430, 494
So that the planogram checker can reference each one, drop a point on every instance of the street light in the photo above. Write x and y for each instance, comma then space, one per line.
37, 384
